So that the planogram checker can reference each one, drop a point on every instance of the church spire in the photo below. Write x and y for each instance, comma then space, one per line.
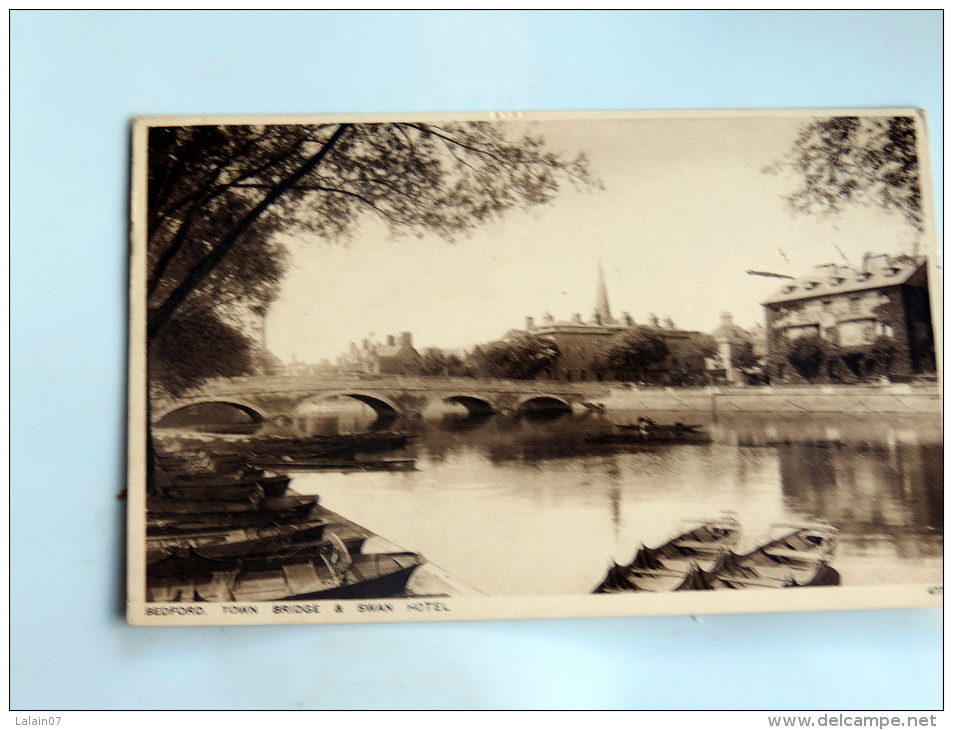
602, 299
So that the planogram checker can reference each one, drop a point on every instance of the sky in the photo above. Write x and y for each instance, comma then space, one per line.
685, 210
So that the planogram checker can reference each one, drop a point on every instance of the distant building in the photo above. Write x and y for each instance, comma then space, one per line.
393, 357
581, 343
737, 347
851, 308
297, 367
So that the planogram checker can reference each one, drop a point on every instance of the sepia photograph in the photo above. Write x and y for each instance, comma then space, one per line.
491, 366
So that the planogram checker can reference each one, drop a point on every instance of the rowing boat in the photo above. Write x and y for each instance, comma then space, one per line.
335, 573
634, 433
679, 564
222, 542
345, 465
793, 557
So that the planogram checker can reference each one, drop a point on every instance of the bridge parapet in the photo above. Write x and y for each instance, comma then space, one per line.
314, 383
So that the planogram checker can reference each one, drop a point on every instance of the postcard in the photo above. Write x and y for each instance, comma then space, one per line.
441, 367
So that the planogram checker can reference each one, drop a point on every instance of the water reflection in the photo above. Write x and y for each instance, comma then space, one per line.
338, 415
524, 506
461, 423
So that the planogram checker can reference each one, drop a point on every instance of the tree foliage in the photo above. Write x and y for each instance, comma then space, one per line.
744, 357
217, 195
856, 160
631, 355
881, 356
436, 362
700, 345
808, 354
519, 355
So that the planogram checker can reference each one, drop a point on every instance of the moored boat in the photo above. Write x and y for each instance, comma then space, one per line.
649, 431
675, 564
794, 556
290, 503
328, 464
238, 533
343, 446
225, 490
213, 543
334, 573
650, 427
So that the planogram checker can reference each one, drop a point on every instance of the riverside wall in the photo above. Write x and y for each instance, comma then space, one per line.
893, 399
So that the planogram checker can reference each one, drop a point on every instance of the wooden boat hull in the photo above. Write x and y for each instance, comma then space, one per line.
383, 575
189, 478
157, 505
674, 565
226, 489
160, 524
236, 542
342, 464
634, 433
326, 446
799, 558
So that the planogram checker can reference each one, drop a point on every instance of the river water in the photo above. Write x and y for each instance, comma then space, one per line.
517, 506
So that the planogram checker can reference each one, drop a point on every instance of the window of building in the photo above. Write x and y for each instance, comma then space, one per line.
794, 332
568, 375
857, 332
882, 329
582, 374
854, 305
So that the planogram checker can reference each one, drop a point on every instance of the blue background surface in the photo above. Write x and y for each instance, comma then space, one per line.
78, 77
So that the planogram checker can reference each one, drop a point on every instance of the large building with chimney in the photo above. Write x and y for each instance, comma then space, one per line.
886, 297
582, 342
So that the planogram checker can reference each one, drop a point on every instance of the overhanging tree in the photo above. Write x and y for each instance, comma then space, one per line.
843, 161
217, 195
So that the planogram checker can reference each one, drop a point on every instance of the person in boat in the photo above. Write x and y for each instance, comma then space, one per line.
644, 425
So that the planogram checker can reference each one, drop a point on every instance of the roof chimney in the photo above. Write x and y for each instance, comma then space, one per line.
530, 324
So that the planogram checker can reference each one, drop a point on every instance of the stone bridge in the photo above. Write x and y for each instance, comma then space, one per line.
267, 398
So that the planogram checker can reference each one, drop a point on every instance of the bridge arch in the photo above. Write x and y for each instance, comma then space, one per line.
538, 402
253, 411
381, 404
475, 405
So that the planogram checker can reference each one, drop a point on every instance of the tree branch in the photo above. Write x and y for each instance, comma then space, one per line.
182, 235
161, 315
